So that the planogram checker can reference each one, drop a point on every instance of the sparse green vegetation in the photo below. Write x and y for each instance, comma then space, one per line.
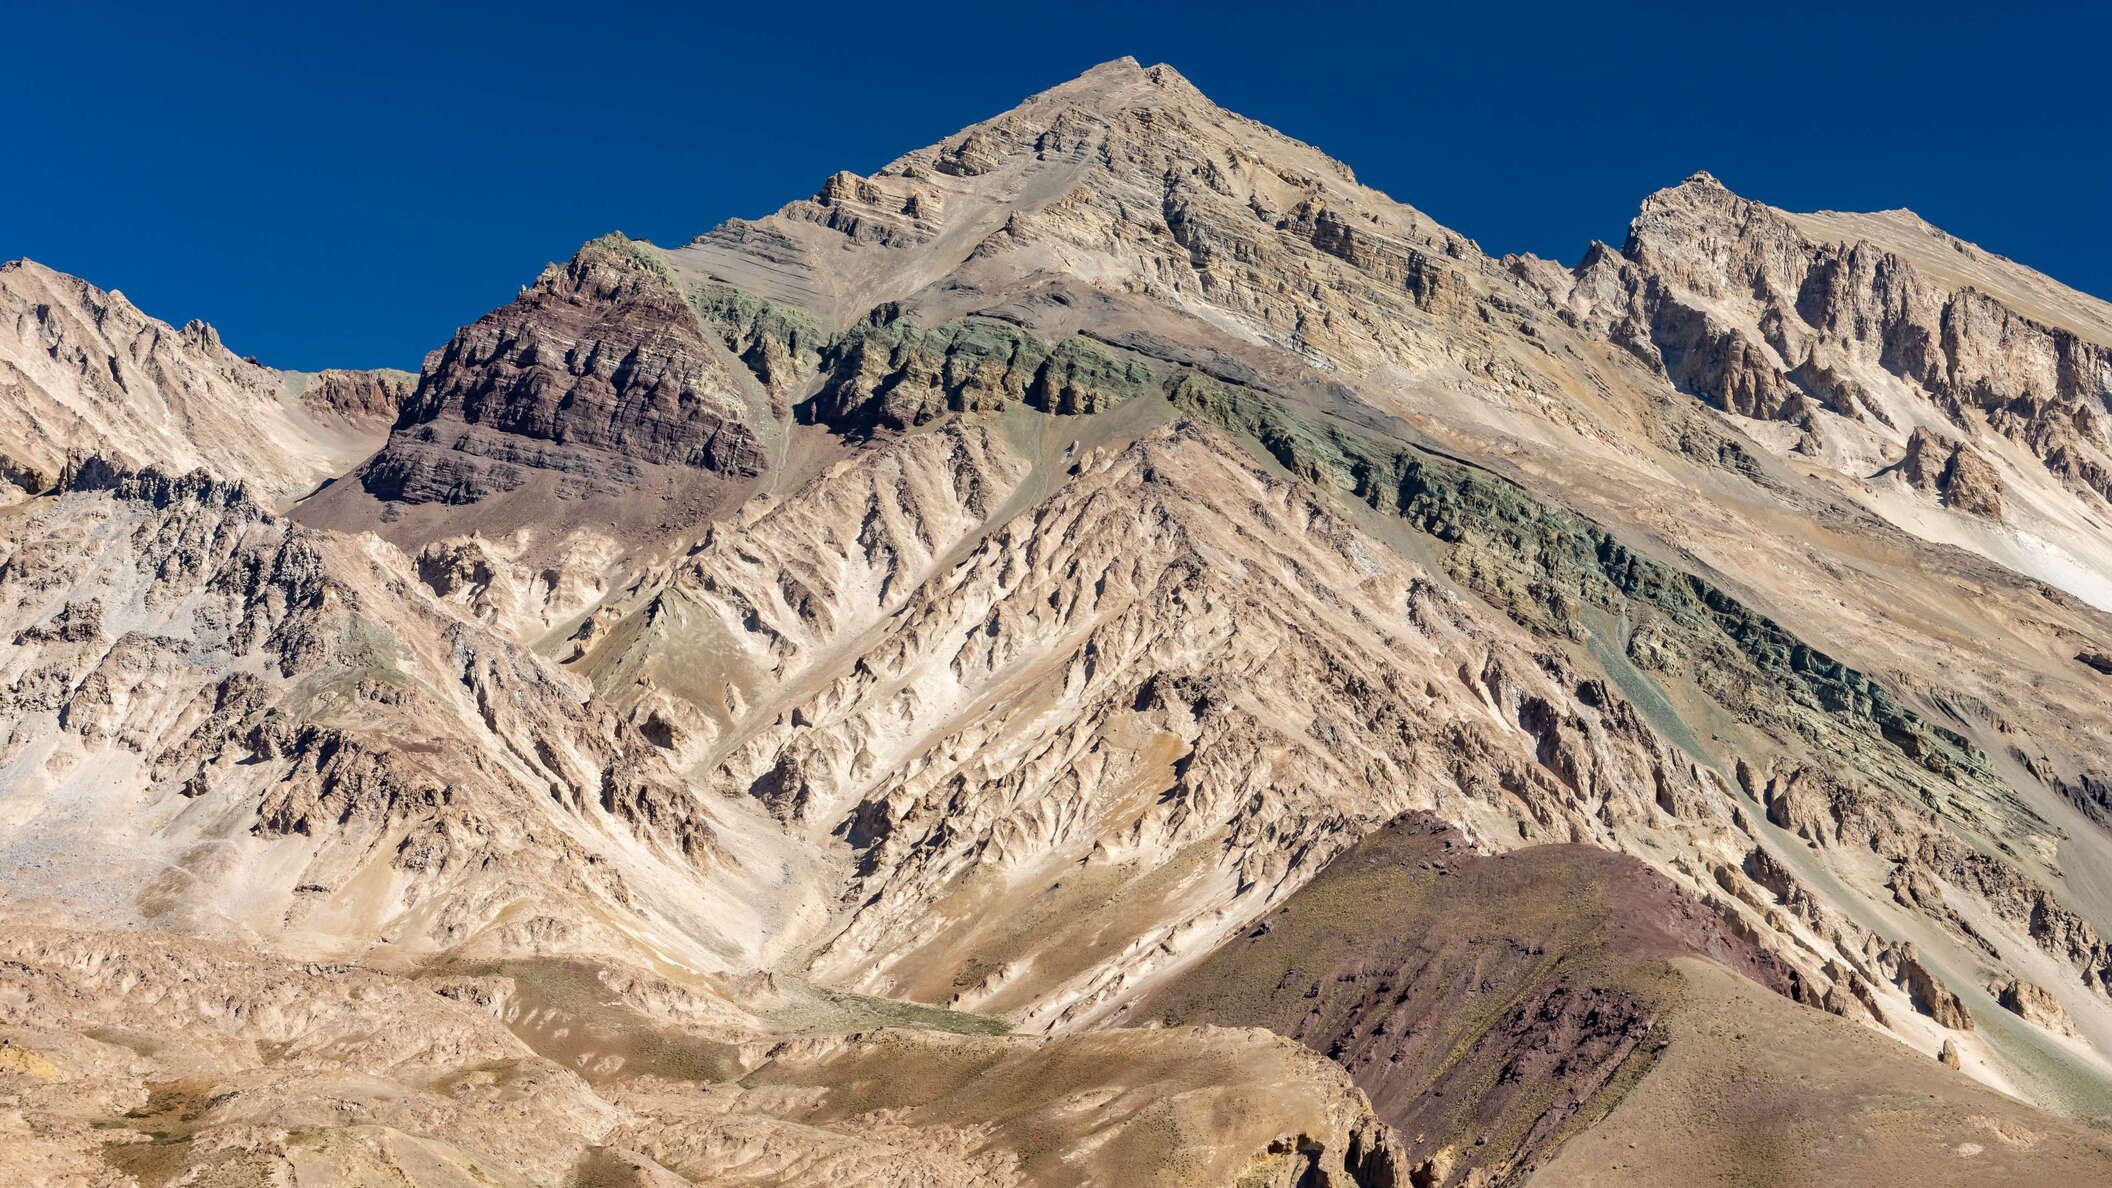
1545, 566
636, 250
864, 1010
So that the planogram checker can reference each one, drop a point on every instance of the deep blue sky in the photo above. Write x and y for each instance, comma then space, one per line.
344, 186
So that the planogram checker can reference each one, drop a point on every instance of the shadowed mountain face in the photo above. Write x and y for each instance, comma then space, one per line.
1104, 652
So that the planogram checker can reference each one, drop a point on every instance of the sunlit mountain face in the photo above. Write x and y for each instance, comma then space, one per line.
1103, 653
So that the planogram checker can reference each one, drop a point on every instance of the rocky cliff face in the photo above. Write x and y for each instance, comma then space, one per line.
991, 592
371, 397
1871, 344
599, 369
83, 371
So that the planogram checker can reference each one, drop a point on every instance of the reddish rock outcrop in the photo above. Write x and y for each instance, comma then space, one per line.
1504, 997
598, 369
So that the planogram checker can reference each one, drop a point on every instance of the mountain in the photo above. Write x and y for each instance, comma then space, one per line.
84, 371
1910, 363
1103, 652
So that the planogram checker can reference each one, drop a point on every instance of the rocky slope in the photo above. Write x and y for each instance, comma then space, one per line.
1908, 362
137, 1058
220, 721
1527, 998
987, 595
598, 388
83, 371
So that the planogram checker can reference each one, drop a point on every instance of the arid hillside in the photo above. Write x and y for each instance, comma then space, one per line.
1105, 652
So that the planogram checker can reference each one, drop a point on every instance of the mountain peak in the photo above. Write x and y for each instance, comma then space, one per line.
1698, 201
1121, 83
1123, 67
1120, 137
1698, 188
